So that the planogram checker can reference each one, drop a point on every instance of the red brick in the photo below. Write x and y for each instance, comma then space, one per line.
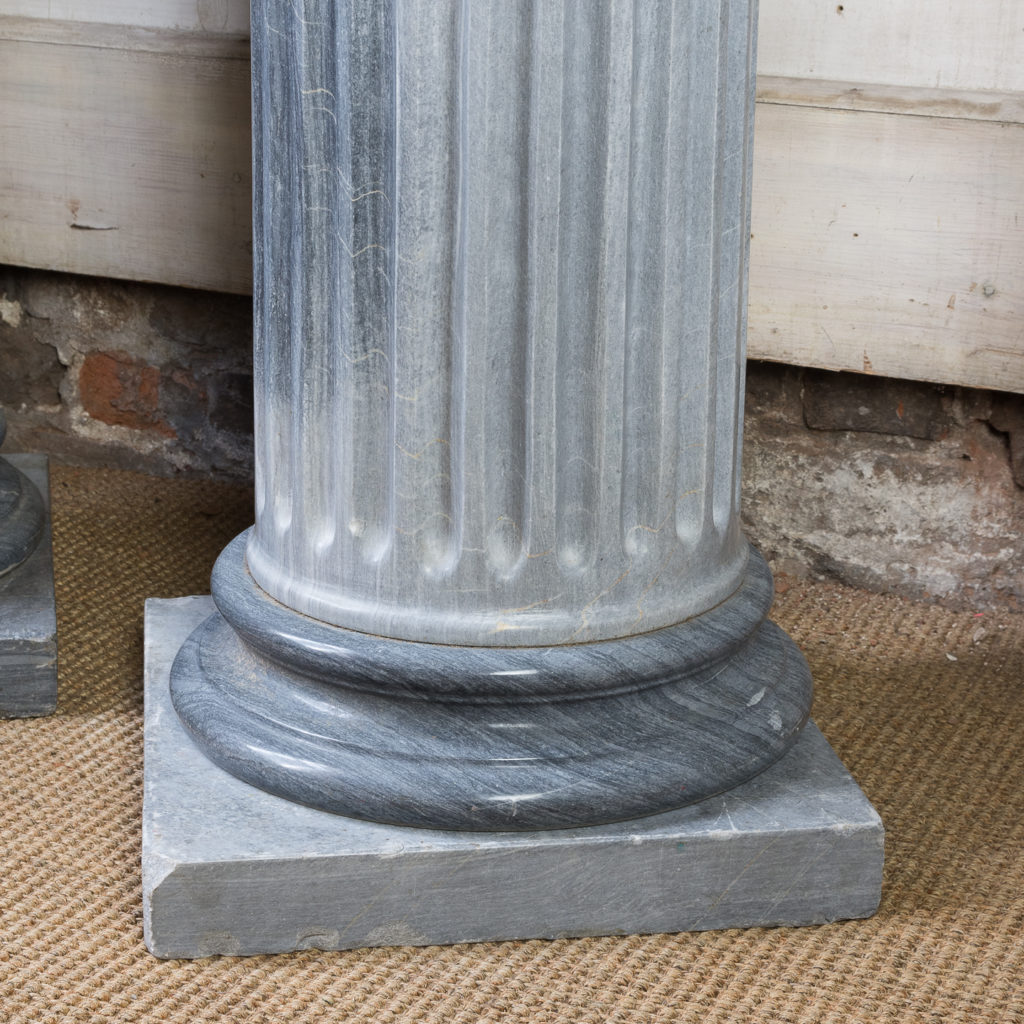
123, 392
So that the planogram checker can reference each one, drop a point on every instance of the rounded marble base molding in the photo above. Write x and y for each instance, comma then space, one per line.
491, 739
22, 517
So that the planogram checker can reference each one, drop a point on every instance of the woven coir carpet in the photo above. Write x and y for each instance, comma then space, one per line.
925, 706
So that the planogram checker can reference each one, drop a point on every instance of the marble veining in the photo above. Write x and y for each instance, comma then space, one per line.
28, 619
489, 738
505, 246
229, 869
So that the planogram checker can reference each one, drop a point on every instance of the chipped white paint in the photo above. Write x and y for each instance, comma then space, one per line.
11, 311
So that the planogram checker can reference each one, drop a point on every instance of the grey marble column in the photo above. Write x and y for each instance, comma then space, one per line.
497, 579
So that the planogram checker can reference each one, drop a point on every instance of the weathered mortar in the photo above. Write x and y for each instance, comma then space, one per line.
140, 376
891, 485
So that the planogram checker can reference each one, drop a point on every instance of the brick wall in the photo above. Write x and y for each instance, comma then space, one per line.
140, 376
891, 485
894, 486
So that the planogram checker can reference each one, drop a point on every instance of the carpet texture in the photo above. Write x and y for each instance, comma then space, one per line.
925, 706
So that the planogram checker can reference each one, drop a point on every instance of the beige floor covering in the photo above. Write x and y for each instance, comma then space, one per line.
925, 706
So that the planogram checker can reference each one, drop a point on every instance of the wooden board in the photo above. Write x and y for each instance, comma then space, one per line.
966, 104
956, 44
230, 16
126, 162
886, 217
889, 244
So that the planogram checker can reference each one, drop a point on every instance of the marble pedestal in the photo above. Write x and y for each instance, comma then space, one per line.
496, 584
230, 869
28, 619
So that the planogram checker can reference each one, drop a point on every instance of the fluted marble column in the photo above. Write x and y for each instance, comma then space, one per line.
496, 578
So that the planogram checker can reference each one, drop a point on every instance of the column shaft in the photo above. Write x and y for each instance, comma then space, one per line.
500, 302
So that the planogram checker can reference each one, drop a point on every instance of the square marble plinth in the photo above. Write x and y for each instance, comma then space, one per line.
229, 869
28, 617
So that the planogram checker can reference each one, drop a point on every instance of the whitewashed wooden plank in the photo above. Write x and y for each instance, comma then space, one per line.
152, 143
889, 244
101, 36
958, 44
126, 163
231, 16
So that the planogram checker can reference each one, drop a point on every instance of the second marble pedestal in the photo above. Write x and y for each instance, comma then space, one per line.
28, 619
230, 869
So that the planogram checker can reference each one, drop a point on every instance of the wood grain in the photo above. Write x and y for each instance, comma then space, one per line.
186, 15
889, 244
959, 44
887, 194
126, 162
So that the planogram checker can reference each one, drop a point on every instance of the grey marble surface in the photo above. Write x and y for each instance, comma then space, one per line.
28, 620
496, 579
22, 512
500, 298
483, 737
229, 869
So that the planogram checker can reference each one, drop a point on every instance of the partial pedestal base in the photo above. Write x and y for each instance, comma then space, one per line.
230, 869
28, 619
